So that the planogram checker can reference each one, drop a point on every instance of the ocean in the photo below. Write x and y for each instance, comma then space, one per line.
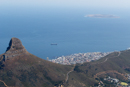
68, 28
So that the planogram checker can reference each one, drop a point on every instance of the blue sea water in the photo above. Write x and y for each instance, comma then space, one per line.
73, 33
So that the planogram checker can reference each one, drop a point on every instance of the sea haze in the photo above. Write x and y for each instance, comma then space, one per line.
70, 28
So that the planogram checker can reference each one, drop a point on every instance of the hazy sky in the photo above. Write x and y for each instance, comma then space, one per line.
68, 3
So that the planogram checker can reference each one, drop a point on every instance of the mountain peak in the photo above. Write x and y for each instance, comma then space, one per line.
15, 48
19, 68
15, 44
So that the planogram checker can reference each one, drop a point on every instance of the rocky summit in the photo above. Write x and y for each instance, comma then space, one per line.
19, 68
15, 44
14, 49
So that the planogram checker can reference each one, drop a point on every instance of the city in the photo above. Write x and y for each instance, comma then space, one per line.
79, 58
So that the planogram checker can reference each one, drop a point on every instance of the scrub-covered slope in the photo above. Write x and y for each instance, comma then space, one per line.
116, 65
19, 68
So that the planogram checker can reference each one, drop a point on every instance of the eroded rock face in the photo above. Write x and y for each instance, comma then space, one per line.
15, 44
15, 49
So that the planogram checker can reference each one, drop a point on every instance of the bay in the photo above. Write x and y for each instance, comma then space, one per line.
72, 32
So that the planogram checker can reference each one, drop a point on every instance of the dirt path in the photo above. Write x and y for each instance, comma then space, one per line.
5, 84
110, 57
109, 71
67, 77
113, 71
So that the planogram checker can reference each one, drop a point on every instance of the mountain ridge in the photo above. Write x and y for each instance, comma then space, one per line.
19, 68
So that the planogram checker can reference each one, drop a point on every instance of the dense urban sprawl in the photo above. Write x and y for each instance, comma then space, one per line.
79, 58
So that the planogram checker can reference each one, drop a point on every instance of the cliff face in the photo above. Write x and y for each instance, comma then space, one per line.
15, 44
15, 49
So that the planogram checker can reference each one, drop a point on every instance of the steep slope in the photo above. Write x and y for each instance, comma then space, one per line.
19, 68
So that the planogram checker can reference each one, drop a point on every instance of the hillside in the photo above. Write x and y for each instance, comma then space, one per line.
19, 68
116, 65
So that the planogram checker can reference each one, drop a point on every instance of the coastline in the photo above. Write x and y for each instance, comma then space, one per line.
79, 58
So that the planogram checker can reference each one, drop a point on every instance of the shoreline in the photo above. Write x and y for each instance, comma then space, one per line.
79, 58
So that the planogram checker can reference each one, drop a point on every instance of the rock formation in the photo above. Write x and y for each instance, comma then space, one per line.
19, 68
15, 49
15, 44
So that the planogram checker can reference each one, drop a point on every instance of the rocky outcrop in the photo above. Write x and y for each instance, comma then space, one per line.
14, 45
15, 49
